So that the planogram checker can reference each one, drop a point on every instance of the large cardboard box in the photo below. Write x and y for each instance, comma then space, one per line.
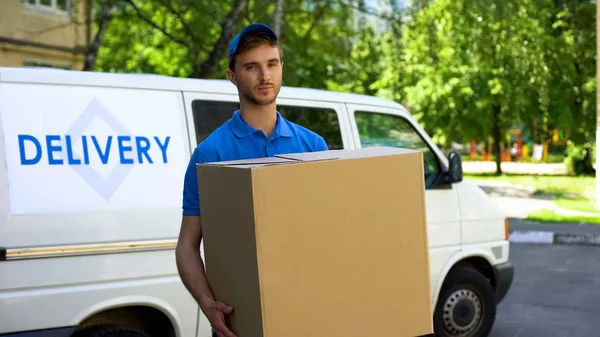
330, 244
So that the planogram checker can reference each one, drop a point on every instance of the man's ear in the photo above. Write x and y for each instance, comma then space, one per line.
231, 76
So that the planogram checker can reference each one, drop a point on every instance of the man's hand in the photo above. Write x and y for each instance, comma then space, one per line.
215, 312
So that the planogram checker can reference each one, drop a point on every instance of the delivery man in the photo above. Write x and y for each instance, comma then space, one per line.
256, 130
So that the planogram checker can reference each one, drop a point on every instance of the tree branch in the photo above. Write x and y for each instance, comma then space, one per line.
92, 53
278, 17
156, 26
209, 67
184, 24
319, 12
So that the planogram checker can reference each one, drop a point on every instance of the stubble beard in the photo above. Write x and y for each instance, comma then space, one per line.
260, 102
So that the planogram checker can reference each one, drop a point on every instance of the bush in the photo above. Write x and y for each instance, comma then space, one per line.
580, 158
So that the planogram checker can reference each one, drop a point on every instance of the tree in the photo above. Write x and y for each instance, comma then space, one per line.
102, 22
172, 37
278, 17
573, 64
363, 67
190, 38
474, 67
574, 78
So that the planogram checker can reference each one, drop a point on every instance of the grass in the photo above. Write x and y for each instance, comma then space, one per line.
552, 216
577, 204
569, 192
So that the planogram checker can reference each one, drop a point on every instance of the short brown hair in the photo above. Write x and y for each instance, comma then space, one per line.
252, 41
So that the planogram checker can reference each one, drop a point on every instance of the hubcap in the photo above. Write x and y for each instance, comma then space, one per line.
462, 312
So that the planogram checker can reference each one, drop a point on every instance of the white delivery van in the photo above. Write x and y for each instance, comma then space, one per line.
91, 176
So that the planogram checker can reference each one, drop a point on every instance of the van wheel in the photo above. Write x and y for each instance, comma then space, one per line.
466, 306
110, 331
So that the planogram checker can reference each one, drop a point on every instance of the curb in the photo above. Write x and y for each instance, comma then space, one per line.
549, 237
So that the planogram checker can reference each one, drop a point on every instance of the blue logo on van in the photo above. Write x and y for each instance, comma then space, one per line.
131, 149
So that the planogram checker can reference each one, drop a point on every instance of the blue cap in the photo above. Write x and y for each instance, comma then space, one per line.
253, 28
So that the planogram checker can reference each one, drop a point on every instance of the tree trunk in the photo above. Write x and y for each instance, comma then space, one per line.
497, 136
92, 52
209, 67
278, 17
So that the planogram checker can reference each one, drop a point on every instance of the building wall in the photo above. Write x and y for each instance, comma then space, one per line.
31, 35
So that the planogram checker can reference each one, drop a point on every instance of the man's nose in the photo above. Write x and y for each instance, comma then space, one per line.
265, 74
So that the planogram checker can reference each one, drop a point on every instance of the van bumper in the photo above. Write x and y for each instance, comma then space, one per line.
504, 277
59, 332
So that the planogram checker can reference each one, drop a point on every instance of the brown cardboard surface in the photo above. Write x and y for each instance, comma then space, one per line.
323, 244
229, 245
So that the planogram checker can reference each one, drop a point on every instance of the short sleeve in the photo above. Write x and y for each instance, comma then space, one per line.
191, 198
321, 144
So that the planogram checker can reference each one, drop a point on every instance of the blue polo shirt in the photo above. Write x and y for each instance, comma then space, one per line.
235, 139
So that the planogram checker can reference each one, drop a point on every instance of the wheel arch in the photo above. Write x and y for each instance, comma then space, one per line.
478, 261
147, 314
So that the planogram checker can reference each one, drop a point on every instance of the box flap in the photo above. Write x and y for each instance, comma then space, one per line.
275, 160
374, 151
310, 156
250, 162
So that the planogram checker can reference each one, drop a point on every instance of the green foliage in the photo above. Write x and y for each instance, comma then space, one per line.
315, 41
133, 45
466, 69
172, 37
555, 217
360, 71
580, 158
573, 80
463, 58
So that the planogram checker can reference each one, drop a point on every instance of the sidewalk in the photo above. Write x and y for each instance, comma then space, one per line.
514, 168
517, 202
530, 232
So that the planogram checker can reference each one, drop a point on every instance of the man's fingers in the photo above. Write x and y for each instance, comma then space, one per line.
223, 331
224, 307
221, 328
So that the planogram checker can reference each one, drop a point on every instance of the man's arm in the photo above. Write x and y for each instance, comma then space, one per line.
192, 273
189, 261
187, 254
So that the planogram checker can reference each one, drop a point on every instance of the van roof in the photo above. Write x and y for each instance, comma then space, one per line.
162, 82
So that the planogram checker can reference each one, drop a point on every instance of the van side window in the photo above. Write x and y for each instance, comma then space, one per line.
209, 115
377, 129
323, 121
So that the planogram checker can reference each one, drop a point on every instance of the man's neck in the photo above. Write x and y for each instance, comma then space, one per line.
260, 117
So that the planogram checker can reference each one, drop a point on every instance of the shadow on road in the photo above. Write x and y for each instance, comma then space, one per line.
503, 190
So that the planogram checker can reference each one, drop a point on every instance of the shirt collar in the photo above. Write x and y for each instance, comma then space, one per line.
241, 128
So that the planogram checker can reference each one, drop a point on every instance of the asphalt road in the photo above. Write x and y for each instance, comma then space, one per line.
555, 293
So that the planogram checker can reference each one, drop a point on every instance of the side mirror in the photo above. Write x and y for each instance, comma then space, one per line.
455, 171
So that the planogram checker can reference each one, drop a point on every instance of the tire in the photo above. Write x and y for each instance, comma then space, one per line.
466, 306
110, 331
